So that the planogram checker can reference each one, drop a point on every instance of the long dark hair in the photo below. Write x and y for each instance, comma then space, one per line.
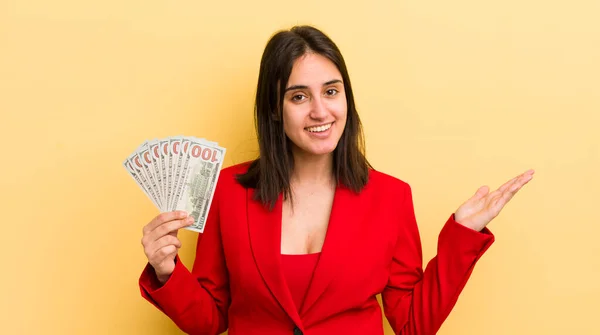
270, 173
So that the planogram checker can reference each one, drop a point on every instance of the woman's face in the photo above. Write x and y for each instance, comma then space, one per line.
314, 105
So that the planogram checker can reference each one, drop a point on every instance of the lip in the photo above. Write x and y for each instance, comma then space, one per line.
319, 125
323, 134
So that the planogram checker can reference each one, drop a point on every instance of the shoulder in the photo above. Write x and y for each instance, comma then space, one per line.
227, 176
378, 179
228, 187
236, 169
386, 188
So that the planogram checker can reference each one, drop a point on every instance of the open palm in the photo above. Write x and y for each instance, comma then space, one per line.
484, 206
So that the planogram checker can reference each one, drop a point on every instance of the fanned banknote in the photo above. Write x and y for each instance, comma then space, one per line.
178, 173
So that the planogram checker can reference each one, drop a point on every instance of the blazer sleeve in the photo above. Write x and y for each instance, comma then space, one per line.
417, 302
196, 301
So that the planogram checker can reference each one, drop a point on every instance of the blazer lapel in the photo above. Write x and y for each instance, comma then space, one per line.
265, 240
340, 232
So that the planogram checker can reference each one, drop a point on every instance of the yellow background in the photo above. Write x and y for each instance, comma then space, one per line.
453, 95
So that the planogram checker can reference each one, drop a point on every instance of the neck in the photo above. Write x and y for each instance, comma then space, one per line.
312, 169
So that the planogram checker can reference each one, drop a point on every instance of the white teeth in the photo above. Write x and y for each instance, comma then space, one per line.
319, 128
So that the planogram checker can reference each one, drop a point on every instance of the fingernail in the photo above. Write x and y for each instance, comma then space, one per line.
182, 214
189, 220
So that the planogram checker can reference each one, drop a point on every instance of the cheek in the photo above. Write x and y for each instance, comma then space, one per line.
291, 121
340, 110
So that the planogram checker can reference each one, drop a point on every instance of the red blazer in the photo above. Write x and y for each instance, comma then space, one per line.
372, 246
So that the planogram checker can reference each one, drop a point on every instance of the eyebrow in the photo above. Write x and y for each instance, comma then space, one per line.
297, 87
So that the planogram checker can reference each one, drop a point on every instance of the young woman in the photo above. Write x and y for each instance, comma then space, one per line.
303, 239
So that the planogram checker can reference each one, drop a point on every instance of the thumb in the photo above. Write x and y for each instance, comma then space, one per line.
481, 192
174, 233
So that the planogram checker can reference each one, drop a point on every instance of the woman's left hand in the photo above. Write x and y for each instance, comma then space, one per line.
478, 211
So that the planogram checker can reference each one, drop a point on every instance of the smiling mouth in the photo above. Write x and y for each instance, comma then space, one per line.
319, 129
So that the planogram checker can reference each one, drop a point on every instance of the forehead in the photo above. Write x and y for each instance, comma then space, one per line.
313, 69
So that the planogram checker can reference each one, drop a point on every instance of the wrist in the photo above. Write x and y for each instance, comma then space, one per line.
162, 279
467, 223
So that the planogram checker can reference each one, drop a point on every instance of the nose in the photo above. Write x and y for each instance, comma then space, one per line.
318, 110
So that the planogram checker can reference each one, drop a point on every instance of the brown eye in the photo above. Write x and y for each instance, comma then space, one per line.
332, 91
298, 98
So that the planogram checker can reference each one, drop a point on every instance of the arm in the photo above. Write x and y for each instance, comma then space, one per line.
196, 301
417, 302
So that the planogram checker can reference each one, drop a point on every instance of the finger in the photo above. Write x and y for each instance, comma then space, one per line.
169, 227
510, 183
162, 218
480, 193
502, 201
498, 204
521, 182
504, 194
161, 243
161, 254
509, 194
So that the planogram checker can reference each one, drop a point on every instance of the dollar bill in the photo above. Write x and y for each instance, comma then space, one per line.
177, 167
170, 170
138, 179
164, 154
178, 173
182, 168
154, 149
183, 165
136, 163
146, 160
200, 172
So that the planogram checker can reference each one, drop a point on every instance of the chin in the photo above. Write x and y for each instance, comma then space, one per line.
321, 150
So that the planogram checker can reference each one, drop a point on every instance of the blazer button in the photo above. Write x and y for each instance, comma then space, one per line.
297, 331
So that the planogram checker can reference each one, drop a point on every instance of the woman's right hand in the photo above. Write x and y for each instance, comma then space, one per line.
161, 243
